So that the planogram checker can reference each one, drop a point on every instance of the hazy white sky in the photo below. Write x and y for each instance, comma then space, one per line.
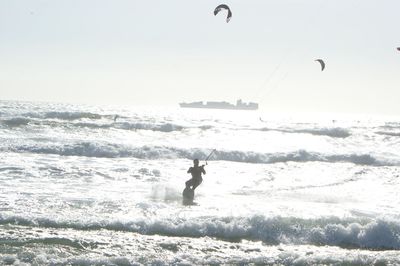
167, 51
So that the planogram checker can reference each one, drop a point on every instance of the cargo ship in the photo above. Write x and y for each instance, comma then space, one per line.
240, 105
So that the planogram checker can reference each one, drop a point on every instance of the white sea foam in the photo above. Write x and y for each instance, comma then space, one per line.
372, 234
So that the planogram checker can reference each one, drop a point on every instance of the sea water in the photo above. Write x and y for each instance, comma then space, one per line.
102, 185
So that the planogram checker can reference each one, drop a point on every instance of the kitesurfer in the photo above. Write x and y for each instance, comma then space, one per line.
196, 172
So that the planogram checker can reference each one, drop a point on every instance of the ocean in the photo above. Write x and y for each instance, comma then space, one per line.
102, 185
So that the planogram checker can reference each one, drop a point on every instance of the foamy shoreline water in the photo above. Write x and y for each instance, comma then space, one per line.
79, 188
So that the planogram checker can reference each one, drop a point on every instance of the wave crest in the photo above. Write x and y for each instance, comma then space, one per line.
388, 133
112, 150
329, 132
16, 122
375, 234
71, 115
102, 124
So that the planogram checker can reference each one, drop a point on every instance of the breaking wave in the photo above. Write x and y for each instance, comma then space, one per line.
349, 233
387, 133
16, 122
65, 115
112, 150
162, 127
329, 132
46, 241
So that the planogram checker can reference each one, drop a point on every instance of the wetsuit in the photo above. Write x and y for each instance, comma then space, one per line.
196, 180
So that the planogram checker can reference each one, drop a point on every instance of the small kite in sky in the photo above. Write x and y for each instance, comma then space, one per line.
223, 6
322, 63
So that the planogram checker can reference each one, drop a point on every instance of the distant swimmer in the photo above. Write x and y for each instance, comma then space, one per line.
196, 172
115, 118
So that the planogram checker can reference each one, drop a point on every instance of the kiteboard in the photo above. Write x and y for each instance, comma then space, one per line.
188, 196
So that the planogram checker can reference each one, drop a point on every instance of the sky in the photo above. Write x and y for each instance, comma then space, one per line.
162, 52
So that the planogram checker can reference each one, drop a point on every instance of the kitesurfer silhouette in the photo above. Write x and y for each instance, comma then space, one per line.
196, 172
